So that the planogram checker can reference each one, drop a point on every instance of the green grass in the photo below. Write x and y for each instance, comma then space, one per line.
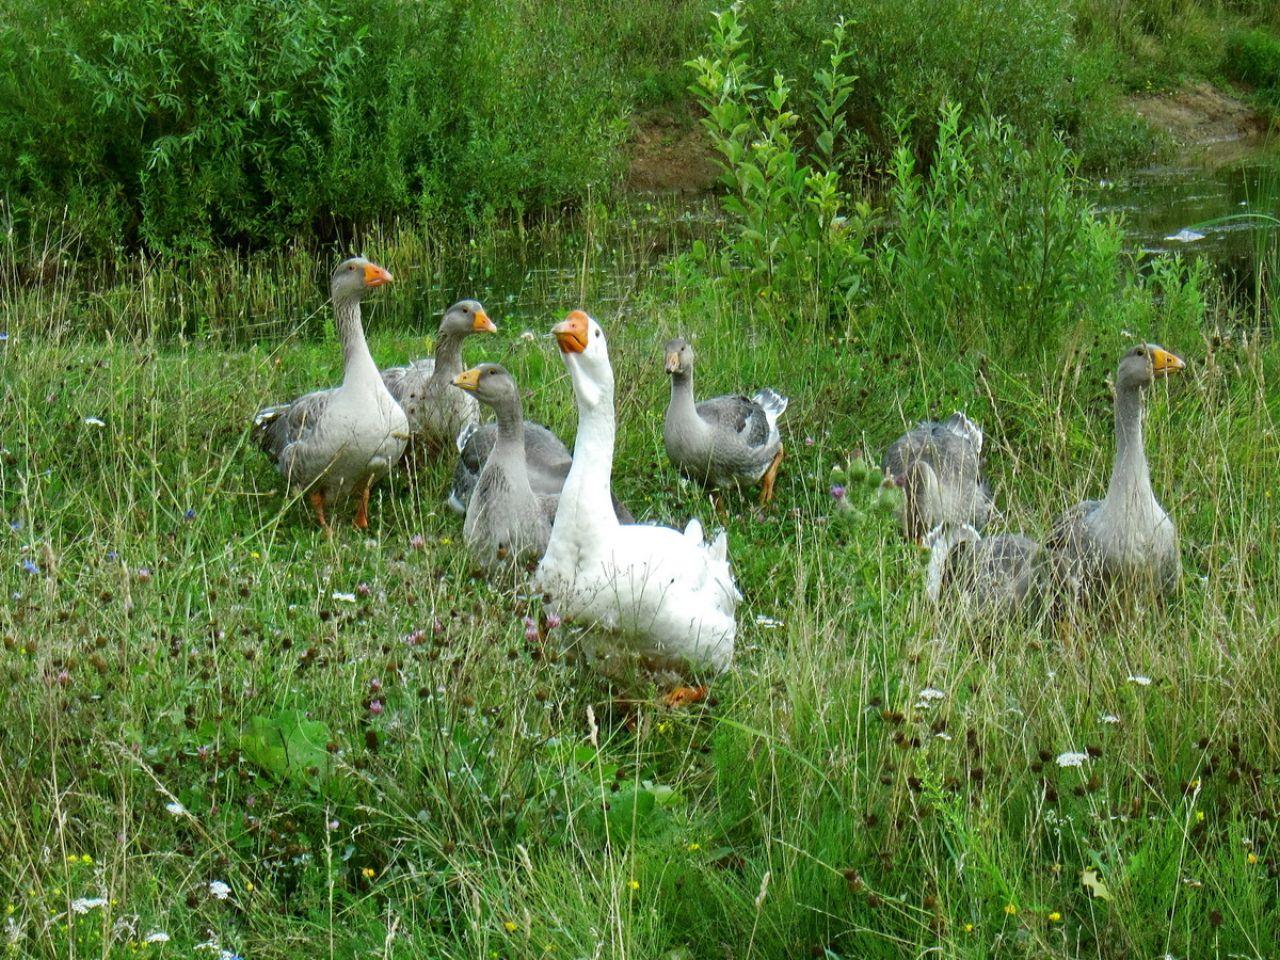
502, 803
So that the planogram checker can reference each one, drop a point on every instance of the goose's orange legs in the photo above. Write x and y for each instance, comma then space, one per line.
770, 475
317, 504
362, 509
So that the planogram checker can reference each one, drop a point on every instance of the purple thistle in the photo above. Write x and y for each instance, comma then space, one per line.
837, 491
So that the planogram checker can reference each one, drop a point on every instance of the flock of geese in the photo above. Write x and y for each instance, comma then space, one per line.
654, 597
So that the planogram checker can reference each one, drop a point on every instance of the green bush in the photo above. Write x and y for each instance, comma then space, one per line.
1253, 56
190, 124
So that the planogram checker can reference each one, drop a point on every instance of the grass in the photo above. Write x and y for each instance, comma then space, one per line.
178, 633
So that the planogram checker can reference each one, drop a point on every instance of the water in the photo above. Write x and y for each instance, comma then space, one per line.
1170, 208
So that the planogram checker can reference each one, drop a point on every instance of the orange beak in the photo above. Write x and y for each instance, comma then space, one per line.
1164, 363
376, 276
572, 332
673, 363
482, 323
468, 380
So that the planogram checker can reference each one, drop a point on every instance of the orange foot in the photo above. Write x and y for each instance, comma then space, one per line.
685, 696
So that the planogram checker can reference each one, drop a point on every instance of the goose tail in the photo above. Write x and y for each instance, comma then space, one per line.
773, 403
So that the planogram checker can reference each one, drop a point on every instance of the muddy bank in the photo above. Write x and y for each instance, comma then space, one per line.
1200, 114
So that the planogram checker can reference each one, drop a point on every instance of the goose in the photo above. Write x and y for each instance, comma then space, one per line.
507, 523
723, 441
664, 597
437, 411
339, 442
1126, 538
1000, 575
937, 466
547, 459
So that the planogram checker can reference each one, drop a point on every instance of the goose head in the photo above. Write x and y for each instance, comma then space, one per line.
490, 382
586, 355
356, 277
465, 318
680, 357
1144, 364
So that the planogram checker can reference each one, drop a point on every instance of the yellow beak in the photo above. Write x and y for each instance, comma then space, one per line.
482, 323
468, 380
1164, 363
572, 332
376, 276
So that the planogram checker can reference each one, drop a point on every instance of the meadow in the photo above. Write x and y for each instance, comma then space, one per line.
227, 734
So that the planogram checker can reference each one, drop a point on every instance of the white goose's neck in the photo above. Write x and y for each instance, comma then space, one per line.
585, 502
359, 370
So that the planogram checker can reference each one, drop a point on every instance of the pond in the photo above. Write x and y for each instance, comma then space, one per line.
1181, 206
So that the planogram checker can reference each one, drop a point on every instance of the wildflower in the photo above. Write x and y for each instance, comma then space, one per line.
1199, 816
344, 597
363, 589
510, 926
1011, 909
1108, 718
189, 515
254, 555
112, 556
332, 825
694, 847
808, 441
30, 566
368, 873
633, 884
553, 621
1251, 859
446, 541
1070, 759
929, 693
15, 525
175, 808
157, 936
219, 890
837, 492
968, 928
85, 904
249, 888
1055, 917
144, 575
63, 678
1139, 679
93, 422
417, 541
375, 707
528, 336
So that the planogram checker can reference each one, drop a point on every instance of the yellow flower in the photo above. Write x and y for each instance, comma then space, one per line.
254, 555
249, 887
1011, 909
635, 884
1199, 816
694, 847
510, 926
86, 859
446, 541
1055, 917
968, 928
9, 909
369, 873
1251, 859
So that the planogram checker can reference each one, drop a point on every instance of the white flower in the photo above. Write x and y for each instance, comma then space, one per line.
1070, 759
219, 890
768, 622
158, 936
85, 904
175, 808
1139, 679
528, 336
344, 597
929, 693
943, 735
1108, 718
94, 422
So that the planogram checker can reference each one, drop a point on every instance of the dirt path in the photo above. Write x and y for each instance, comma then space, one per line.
1199, 114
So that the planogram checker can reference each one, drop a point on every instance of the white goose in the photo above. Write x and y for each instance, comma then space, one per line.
664, 597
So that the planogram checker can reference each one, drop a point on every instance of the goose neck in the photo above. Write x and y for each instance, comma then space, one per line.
1130, 476
357, 362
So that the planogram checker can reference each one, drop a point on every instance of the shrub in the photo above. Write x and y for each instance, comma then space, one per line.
1253, 56
250, 121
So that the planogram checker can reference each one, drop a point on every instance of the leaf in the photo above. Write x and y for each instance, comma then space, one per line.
1093, 884
288, 746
